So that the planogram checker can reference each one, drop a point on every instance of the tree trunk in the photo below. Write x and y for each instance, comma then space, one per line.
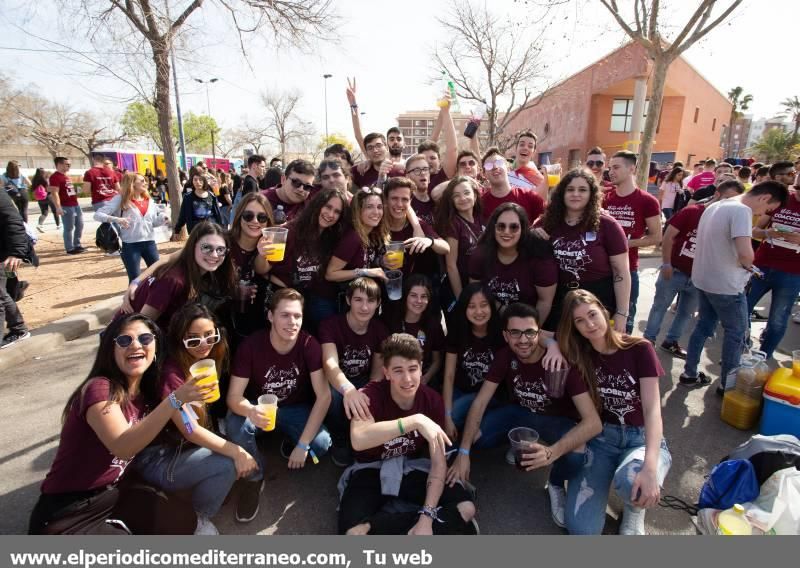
660, 67
164, 111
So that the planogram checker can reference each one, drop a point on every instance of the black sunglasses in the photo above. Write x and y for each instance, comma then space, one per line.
297, 184
126, 340
512, 227
248, 217
593, 163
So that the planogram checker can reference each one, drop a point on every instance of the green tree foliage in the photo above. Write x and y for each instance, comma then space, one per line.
791, 108
141, 121
775, 144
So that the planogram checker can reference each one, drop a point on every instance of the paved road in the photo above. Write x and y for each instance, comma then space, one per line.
509, 502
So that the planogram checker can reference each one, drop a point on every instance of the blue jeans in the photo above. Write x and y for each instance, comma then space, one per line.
318, 308
731, 312
207, 474
617, 455
496, 424
336, 419
667, 211
785, 287
73, 226
133, 253
291, 419
665, 293
462, 401
632, 303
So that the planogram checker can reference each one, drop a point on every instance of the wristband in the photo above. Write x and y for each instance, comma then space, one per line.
665, 265
354, 106
360, 272
431, 512
307, 448
448, 413
621, 314
463, 451
136, 281
173, 401
346, 387
400, 426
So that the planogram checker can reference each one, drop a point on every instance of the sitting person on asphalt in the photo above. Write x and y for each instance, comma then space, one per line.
285, 362
521, 366
622, 373
394, 487
109, 418
187, 455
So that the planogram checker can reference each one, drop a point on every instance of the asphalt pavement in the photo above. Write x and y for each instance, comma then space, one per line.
304, 502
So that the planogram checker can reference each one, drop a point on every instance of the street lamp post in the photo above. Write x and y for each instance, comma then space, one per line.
208, 109
326, 76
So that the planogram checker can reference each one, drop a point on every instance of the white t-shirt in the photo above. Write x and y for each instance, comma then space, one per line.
716, 267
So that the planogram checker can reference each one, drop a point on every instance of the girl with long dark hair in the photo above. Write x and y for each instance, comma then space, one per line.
198, 205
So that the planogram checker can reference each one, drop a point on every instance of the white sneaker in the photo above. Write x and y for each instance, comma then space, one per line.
796, 317
558, 504
632, 521
205, 527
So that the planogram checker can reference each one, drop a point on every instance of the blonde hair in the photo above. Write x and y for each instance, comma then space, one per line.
375, 236
126, 189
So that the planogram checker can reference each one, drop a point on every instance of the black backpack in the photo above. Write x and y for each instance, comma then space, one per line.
107, 238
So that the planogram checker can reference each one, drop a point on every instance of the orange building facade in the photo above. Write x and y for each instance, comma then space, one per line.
594, 108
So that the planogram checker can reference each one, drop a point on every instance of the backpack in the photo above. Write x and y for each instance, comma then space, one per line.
769, 454
730, 482
11, 188
106, 238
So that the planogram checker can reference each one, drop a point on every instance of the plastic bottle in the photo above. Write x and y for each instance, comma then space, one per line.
732, 522
449, 87
474, 123
741, 405
280, 215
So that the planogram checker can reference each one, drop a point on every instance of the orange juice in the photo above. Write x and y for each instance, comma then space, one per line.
278, 250
394, 259
739, 410
214, 396
270, 412
553, 179
796, 369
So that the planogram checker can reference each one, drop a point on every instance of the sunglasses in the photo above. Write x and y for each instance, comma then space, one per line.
517, 333
488, 166
297, 184
195, 342
467, 163
208, 249
593, 163
512, 227
144, 339
248, 217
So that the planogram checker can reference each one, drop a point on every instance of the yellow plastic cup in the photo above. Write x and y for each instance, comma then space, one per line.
201, 368
276, 236
268, 406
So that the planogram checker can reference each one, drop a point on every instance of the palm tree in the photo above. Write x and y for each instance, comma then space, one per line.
740, 103
792, 108
774, 145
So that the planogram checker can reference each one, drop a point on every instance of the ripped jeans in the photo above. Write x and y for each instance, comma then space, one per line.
616, 455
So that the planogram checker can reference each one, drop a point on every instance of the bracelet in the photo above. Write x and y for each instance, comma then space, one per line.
173, 401
346, 387
463, 451
400, 426
354, 106
665, 265
360, 272
431, 512
307, 448
448, 413
136, 281
432, 241
620, 314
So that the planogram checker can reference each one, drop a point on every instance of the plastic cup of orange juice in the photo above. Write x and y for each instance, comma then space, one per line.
268, 406
276, 237
796, 363
203, 367
395, 253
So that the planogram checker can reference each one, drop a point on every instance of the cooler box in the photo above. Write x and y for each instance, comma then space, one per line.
781, 413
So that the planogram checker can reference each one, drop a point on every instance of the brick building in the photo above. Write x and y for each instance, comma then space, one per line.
594, 107
417, 126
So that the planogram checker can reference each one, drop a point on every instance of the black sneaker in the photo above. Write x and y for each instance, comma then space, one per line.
74, 251
700, 380
287, 447
675, 349
755, 315
11, 338
79, 250
249, 498
341, 456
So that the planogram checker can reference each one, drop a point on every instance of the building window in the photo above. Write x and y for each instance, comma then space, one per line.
696, 114
622, 114
714, 125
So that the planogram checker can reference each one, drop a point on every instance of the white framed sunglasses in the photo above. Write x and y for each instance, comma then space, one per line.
195, 342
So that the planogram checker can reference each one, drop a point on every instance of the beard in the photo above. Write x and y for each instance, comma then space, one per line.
395, 151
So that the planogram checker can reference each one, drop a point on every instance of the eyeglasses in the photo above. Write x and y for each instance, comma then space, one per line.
511, 227
378, 146
248, 217
787, 174
297, 184
467, 164
517, 333
418, 171
194, 342
144, 339
492, 164
593, 163
205, 248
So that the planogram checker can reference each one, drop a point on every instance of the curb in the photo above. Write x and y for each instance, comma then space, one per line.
55, 334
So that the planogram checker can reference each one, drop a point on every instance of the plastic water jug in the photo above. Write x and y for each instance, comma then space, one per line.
732, 522
741, 405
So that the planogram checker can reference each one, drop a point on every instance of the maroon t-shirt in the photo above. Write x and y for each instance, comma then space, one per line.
772, 254
685, 221
102, 180
66, 191
583, 256
291, 209
436, 179
618, 377
430, 337
425, 263
82, 462
286, 375
473, 361
355, 351
631, 212
382, 407
423, 209
515, 282
528, 199
244, 261
467, 235
370, 177
167, 294
302, 270
525, 382
352, 251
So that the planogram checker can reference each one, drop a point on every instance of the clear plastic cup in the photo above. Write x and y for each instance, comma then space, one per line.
203, 367
394, 284
268, 406
276, 236
555, 381
522, 439
245, 297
